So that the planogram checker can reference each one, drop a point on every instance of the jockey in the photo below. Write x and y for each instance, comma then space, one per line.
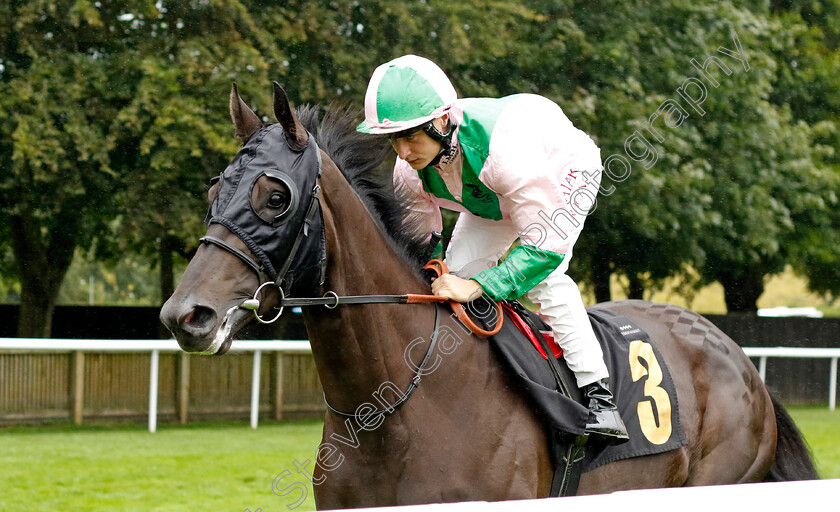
520, 174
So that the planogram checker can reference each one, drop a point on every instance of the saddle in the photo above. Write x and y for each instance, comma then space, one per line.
635, 367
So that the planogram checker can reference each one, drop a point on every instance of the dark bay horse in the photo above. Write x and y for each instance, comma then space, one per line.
465, 433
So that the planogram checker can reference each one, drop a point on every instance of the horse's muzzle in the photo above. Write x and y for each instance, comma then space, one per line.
194, 326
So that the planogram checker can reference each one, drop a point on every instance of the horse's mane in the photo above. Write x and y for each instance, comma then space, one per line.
361, 159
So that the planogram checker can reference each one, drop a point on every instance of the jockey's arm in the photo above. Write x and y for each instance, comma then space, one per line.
525, 267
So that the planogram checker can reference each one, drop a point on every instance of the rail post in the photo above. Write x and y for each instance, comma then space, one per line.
78, 386
832, 384
153, 390
762, 368
255, 389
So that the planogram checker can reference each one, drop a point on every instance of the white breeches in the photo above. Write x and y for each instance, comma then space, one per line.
477, 244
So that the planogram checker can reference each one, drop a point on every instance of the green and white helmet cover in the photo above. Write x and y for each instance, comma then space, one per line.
405, 93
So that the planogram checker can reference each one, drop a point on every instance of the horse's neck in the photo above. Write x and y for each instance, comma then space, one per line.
360, 258
359, 347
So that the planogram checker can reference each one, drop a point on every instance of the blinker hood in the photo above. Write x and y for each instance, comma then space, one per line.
290, 247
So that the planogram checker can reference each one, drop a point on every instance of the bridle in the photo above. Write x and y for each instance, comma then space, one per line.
259, 269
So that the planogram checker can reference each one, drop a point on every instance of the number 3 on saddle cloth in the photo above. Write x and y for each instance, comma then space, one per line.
640, 381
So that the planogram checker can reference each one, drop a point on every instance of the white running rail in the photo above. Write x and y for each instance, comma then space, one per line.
155, 347
762, 353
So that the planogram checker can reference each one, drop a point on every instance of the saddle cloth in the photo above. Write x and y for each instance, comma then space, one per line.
639, 379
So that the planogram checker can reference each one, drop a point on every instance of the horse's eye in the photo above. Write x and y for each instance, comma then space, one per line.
274, 197
277, 200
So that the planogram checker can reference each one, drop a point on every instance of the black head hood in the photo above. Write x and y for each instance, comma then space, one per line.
291, 249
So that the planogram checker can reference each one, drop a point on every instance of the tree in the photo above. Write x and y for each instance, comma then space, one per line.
615, 69
111, 126
113, 118
720, 187
175, 134
782, 210
808, 81
58, 94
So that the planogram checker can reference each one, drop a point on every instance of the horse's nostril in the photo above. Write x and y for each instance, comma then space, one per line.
199, 318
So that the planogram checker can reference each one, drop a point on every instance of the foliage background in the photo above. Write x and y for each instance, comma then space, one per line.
113, 118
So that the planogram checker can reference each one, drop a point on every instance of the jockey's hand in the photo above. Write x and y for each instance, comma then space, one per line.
456, 288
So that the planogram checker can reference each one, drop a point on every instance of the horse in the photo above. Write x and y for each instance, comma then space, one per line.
321, 224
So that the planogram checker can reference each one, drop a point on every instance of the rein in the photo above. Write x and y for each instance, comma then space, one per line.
332, 300
364, 419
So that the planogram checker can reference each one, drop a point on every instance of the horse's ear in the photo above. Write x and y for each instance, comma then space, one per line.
244, 119
295, 132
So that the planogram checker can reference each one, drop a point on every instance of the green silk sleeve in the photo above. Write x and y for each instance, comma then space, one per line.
525, 267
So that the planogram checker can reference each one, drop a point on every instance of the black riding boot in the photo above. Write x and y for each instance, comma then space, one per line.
605, 425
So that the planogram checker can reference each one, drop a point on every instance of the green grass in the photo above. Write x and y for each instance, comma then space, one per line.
207, 467
821, 428
180, 468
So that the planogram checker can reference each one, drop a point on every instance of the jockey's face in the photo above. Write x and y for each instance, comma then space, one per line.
416, 147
